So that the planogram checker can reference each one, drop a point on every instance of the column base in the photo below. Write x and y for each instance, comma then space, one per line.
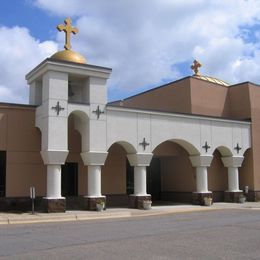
136, 202
198, 197
89, 203
54, 205
232, 196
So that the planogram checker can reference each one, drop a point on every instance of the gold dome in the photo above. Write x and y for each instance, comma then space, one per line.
69, 55
195, 67
213, 80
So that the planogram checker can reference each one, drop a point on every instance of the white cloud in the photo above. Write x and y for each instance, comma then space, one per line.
143, 41
20, 52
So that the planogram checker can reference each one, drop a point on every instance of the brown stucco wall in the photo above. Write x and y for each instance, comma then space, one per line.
246, 177
177, 174
239, 99
114, 171
22, 142
174, 97
255, 117
217, 174
209, 99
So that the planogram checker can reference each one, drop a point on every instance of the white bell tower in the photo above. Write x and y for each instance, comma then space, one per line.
59, 86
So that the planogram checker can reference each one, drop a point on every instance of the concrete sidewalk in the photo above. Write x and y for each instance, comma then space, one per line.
113, 213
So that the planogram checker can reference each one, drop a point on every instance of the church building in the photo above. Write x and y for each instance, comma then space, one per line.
192, 138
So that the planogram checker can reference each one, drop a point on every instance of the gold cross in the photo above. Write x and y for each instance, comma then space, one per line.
68, 29
195, 67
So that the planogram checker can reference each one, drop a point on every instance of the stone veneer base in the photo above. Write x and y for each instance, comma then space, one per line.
89, 203
54, 205
198, 198
232, 196
137, 201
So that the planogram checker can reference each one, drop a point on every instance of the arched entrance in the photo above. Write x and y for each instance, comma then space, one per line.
73, 172
170, 176
217, 177
117, 175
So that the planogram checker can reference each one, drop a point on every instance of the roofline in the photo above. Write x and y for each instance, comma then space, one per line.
245, 82
8, 105
55, 62
167, 84
150, 90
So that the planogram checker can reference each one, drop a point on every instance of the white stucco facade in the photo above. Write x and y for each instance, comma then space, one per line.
138, 131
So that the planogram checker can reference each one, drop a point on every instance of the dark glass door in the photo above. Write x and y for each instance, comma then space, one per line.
129, 178
69, 179
2, 173
154, 179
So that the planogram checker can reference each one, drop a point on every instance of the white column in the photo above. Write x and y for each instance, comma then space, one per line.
233, 182
202, 179
233, 162
94, 181
54, 181
140, 180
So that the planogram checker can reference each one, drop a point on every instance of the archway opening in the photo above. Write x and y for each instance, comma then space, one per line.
117, 175
170, 176
74, 173
218, 175
246, 177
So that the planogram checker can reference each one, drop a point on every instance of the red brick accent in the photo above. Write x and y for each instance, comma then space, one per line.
232, 196
54, 205
137, 201
90, 203
198, 198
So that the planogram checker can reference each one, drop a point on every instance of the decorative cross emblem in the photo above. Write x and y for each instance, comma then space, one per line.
68, 29
195, 67
144, 143
58, 108
98, 112
206, 146
237, 148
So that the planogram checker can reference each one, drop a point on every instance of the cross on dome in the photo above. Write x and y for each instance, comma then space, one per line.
195, 67
68, 29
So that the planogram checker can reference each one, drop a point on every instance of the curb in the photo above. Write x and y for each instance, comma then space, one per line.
38, 218
26, 218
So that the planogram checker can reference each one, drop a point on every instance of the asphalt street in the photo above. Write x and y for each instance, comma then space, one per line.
217, 234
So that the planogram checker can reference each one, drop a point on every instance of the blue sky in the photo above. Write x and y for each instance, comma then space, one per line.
146, 42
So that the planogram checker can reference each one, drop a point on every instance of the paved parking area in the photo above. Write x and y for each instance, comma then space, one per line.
209, 234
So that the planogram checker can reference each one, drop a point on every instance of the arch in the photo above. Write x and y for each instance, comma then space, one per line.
171, 176
81, 125
117, 168
81, 115
224, 151
129, 148
188, 147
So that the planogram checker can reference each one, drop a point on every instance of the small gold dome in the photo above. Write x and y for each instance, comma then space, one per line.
213, 80
69, 55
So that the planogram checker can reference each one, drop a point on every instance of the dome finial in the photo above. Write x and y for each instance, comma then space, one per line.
68, 54
68, 29
195, 67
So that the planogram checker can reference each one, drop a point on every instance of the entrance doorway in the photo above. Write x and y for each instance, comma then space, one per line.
2, 173
154, 179
69, 179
